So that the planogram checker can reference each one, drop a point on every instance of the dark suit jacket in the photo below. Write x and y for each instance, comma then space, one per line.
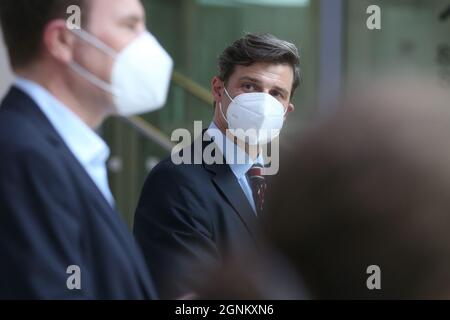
190, 218
52, 216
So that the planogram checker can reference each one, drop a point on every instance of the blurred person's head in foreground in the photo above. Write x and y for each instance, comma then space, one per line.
265, 276
95, 56
370, 185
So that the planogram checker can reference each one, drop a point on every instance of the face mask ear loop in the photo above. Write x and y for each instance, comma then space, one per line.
220, 105
223, 114
91, 78
86, 36
228, 95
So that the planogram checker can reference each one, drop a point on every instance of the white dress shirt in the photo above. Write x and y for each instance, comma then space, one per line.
238, 160
87, 147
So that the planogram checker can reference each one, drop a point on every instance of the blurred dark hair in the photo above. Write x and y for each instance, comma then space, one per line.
370, 186
23, 23
253, 48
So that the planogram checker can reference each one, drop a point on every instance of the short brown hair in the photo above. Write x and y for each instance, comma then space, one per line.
253, 48
23, 23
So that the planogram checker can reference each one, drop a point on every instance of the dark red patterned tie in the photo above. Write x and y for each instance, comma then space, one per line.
258, 185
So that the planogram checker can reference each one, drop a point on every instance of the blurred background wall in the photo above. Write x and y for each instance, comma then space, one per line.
336, 48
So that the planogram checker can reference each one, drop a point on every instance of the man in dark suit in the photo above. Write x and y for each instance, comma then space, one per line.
194, 215
60, 236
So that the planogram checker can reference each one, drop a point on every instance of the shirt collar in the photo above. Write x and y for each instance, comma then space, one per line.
84, 142
238, 160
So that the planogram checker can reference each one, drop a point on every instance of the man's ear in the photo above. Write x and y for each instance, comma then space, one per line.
58, 41
290, 109
217, 87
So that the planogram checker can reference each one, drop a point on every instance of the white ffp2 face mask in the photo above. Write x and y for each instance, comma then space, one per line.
140, 76
256, 118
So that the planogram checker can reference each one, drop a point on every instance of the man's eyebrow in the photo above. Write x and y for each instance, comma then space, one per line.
134, 18
257, 81
250, 79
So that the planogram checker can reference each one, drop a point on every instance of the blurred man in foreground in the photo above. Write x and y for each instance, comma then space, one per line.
60, 235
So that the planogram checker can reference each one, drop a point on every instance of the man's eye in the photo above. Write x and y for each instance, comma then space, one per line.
277, 94
249, 87
131, 25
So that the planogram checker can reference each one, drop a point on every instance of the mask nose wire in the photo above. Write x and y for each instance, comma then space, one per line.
285, 109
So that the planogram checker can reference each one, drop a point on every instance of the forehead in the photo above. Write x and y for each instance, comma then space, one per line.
104, 10
269, 74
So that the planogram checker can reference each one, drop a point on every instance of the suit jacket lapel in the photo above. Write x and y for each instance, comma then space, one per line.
228, 185
232, 191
